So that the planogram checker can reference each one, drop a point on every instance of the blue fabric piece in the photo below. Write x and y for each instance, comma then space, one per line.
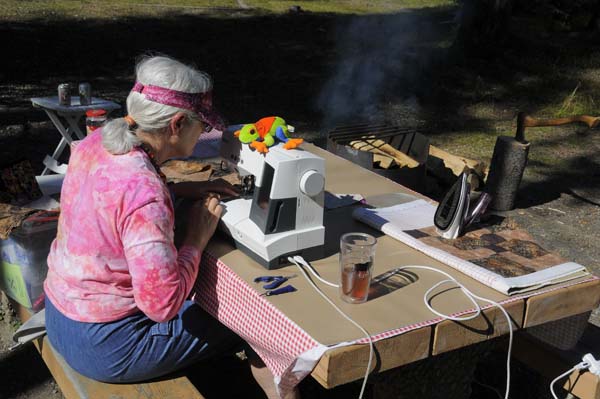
136, 348
280, 134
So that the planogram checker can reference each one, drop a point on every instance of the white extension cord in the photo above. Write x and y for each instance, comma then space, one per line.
298, 260
588, 362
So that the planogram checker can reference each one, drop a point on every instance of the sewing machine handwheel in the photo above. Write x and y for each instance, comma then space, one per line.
312, 183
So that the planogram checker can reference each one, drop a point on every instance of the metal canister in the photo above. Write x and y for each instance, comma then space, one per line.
64, 94
95, 118
85, 93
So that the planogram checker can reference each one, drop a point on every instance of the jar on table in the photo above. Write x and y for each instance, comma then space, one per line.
94, 118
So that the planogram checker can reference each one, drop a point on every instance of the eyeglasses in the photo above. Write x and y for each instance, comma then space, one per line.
207, 127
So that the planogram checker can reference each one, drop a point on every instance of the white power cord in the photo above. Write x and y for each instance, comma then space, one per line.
589, 362
472, 297
298, 260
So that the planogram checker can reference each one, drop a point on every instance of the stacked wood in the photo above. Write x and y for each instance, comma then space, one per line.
440, 164
446, 167
387, 156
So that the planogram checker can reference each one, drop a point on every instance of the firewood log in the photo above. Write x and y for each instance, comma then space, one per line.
381, 147
447, 167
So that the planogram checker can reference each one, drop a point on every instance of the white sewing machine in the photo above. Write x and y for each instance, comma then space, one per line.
283, 215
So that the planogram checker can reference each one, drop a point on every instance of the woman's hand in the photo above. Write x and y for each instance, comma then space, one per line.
203, 219
222, 187
198, 190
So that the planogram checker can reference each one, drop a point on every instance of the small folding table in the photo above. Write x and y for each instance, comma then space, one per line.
66, 119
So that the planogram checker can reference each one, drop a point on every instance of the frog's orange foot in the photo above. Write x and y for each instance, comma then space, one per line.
292, 143
259, 146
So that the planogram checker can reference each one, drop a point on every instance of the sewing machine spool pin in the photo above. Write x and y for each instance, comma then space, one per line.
247, 184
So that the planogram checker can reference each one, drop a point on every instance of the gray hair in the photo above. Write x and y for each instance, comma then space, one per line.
152, 117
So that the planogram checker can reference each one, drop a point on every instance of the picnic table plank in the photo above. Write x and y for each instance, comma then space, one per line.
342, 365
450, 335
561, 303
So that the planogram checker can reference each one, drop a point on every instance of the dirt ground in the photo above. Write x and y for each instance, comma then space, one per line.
320, 71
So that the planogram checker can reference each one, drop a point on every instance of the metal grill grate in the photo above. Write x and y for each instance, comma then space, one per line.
405, 140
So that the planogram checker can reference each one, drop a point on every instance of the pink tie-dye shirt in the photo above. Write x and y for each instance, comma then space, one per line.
114, 254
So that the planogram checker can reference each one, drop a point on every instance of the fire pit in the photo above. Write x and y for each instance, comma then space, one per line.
398, 153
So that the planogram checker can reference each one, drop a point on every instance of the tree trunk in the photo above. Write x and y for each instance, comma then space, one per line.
594, 24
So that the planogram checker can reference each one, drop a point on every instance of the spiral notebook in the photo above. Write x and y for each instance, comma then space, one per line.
502, 256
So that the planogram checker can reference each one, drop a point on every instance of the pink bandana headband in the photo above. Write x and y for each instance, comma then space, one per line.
200, 103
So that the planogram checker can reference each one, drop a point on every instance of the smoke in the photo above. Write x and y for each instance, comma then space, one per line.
370, 53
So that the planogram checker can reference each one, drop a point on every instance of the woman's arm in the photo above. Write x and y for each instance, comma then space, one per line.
161, 276
198, 190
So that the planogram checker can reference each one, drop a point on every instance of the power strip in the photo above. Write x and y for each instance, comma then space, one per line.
593, 364
588, 362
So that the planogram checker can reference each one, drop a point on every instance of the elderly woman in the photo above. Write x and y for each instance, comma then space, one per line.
117, 286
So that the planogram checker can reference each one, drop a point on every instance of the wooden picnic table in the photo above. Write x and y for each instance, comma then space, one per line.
285, 327
415, 332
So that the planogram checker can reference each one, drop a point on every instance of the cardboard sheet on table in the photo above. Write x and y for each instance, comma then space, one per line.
392, 310
396, 309
399, 308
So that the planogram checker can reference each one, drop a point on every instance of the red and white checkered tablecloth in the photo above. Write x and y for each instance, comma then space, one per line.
288, 351
275, 338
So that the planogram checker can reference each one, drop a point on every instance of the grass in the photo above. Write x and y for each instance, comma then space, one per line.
552, 149
348, 6
471, 144
464, 103
577, 104
20, 10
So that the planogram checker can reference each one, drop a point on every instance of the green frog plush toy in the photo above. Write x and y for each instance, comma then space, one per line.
266, 132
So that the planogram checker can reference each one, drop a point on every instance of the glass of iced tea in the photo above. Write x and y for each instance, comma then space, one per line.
357, 251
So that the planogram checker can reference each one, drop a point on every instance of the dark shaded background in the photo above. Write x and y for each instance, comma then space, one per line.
319, 71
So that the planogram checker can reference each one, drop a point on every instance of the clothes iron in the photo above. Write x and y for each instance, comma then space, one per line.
452, 215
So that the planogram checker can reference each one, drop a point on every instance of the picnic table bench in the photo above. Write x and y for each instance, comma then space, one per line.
76, 386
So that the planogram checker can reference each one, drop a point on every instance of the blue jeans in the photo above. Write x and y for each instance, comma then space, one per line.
136, 348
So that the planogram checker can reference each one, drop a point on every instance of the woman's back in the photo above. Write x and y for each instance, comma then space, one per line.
106, 203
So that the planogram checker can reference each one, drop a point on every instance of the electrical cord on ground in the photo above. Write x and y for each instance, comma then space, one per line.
566, 373
491, 388
472, 297
298, 260
589, 362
